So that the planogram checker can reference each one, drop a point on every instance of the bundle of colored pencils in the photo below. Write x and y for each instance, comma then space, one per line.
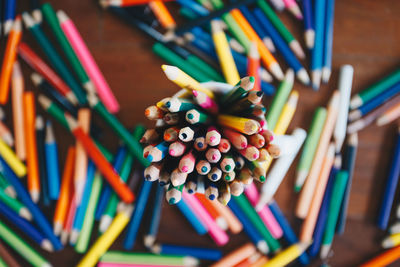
209, 140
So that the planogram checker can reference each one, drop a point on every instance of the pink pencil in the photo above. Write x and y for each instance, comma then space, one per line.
88, 63
111, 264
265, 213
205, 101
219, 236
292, 6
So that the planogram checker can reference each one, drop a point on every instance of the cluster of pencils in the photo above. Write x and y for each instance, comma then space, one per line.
208, 138
255, 35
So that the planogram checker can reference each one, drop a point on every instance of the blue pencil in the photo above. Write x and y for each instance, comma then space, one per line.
53, 173
151, 235
375, 102
282, 47
328, 41
267, 88
81, 209
391, 186
322, 216
198, 253
259, 29
9, 15
137, 215
348, 165
317, 51
40, 144
25, 227
1, 17
25, 198
309, 33
288, 232
191, 217
248, 227
107, 190
158, 152
198, 9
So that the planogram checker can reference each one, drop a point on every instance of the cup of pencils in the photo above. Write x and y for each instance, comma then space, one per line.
210, 138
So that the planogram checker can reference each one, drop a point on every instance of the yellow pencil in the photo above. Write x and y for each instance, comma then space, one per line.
243, 125
183, 80
391, 241
12, 160
225, 57
105, 240
284, 120
288, 255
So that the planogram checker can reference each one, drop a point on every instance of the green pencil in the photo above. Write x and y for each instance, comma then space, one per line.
133, 145
3, 263
375, 89
281, 28
51, 18
15, 205
126, 168
335, 203
173, 59
21, 247
233, 27
8, 189
279, 99
147, 259
53, 110
252, 215
204, 67
84, 236
53, 57
310, 146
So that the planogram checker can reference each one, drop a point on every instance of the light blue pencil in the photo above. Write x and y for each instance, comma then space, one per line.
52, 168
328, 41
317, 51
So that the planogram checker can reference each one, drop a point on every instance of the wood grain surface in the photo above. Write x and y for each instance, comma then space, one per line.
366, 35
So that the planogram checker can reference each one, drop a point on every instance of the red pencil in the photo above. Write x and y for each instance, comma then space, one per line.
253, 66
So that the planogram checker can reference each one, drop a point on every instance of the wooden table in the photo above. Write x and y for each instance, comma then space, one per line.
366, 35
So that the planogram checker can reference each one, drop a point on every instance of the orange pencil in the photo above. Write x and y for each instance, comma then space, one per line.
18, 110
66, 190
253, 66
234, 225
163, 15
307, 229
9, 57
236, 256
266, 56
31, 149
81, 157
385, 258
108, 172
208, 205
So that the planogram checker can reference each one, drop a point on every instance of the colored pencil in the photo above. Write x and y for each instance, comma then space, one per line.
10, 55
88, 63
198, 253
282, 47
288, 255
308, 190
9, 15
17, 90
117, 257
103, 243
287, 113
54, 57
284, 32
7, 257
236, 256
11, 158
52, 162
384, 259
310, 146
344, 85
388, 116
375, 89
42, 164
390, 188
192, 217
20, 246
328, 41
292, 6
234, 225
348, 165
162, 14
151, 234
309, 33
317, 52
15, 205
36, 63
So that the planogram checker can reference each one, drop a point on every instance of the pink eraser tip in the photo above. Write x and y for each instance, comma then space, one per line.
195, 93
255, 156
214, 157
185, 168
244, 145
212, 138
271, 138
172, 152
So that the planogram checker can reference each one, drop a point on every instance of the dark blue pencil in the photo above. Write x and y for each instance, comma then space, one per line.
391, 186
151, 235
248, 227
309, 33
194, 7
25, 227
107, 190
9, 15
198, 253
25, 198
140, 206
322, 216
288, 232
328, 41
282, 47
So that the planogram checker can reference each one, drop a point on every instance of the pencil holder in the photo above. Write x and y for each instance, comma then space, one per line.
210, 138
